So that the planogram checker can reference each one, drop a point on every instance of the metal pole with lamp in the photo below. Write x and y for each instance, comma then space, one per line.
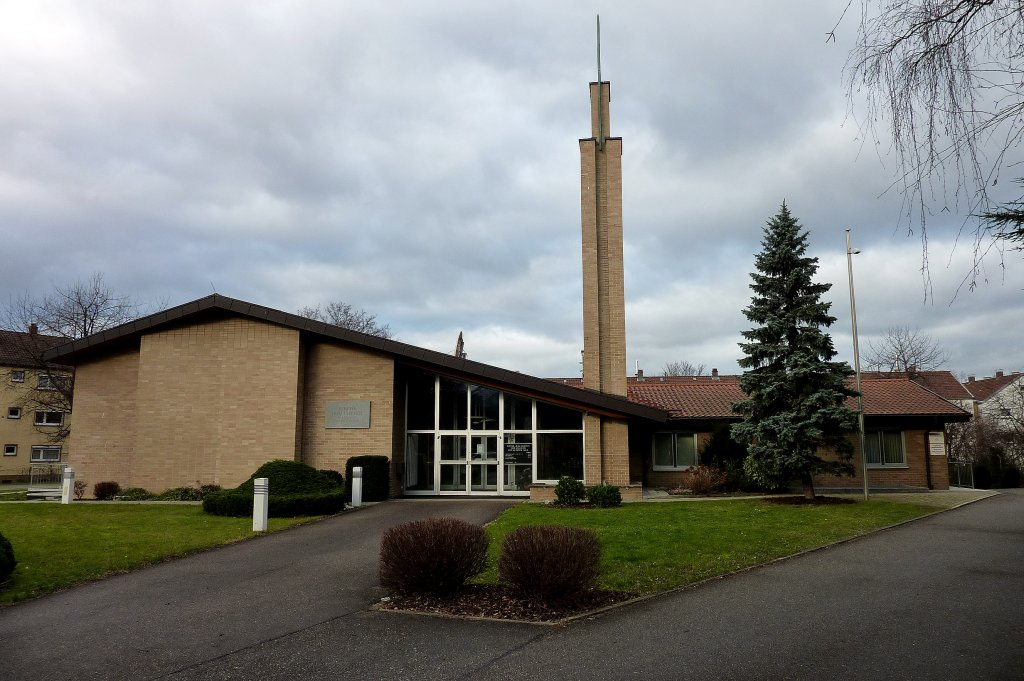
856, 365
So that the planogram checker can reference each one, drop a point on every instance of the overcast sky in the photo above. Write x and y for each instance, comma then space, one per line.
420, 160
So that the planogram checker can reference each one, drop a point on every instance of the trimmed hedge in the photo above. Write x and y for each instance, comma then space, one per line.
238, 503
295, 489
376, 477
7, 561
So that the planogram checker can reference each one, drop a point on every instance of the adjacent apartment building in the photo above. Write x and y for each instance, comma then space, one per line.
32, 424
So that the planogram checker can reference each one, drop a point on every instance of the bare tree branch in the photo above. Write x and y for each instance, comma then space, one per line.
906, 350
347, 316
942, 81
681, 367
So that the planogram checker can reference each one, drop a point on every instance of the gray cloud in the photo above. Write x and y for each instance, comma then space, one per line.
420, 160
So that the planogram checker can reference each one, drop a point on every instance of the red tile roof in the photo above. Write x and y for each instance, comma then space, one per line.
704, 397
985, 388
942, 383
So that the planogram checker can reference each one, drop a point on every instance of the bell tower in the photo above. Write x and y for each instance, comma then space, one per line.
606, 457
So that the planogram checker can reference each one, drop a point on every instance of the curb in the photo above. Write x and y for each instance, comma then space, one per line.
693, 585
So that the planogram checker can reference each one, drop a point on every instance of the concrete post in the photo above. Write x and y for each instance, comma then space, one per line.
67, 489
357, 486
260, 504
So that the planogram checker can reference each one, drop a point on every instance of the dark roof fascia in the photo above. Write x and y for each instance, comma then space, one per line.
74, 351
913, 421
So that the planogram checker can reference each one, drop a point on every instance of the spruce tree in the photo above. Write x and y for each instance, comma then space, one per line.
795, 407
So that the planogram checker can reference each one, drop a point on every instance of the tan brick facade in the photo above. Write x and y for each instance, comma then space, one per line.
335, 372
204, 403
915, 474
103, 440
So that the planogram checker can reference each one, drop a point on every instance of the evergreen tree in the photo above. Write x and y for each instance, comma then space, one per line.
796, 393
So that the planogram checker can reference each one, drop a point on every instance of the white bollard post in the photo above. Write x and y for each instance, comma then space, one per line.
260, 504
357, 486
68, 485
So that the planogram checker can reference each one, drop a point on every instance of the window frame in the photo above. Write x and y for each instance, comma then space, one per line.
45, 382
17, 376
14, 413
675, 451
877, 433
10, 450
36, 456
45, 421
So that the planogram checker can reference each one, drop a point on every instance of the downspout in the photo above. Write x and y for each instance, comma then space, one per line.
928, 461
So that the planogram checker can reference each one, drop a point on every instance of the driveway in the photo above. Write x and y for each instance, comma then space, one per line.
185, 612
940, 598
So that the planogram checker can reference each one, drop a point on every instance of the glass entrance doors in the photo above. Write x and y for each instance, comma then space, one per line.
472, 469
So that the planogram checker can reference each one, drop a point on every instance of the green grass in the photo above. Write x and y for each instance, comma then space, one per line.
654, 547
58, 546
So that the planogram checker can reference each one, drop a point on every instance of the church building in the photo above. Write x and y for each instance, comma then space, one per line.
208, 391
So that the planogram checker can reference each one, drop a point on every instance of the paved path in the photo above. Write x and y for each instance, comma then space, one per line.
941, 598
186, 612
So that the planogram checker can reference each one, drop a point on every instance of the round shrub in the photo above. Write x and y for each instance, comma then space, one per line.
7, 561
376, 477
105, 491
604, 496
296, 489
569, 491
334, 476
550, 563
134, 494
290, 477
436, 555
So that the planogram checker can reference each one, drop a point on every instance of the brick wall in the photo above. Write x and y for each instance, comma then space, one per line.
102, 442
913, 475
215, 401
335, 372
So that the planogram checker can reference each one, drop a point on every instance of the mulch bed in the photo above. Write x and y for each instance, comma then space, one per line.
803, 501
502, 602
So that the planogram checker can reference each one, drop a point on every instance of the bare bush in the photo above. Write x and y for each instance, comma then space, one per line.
704, 479
550, 563
436, 555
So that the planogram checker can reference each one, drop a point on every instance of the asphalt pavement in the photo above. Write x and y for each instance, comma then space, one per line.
938, 598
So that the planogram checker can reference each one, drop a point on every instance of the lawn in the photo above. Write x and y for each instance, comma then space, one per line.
657, 546
58, 546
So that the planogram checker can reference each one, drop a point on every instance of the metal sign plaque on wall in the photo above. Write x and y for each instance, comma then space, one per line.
348, 413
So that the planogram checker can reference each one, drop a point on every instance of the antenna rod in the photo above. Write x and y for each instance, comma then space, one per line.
600, 91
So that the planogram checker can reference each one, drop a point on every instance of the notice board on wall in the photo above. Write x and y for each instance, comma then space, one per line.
348, 413
937, 444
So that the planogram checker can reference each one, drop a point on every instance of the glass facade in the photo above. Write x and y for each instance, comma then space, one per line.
463, 438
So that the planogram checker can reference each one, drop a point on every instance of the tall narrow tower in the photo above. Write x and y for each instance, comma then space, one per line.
604, 308
606, 440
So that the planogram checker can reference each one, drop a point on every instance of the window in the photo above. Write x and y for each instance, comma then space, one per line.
14, 412
45, 454
45, 382
17, 377
884, 448
674, 450
49, 418
10, 450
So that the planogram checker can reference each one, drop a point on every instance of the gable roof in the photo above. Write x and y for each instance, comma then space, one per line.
22, 349
217, 306
985, 388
